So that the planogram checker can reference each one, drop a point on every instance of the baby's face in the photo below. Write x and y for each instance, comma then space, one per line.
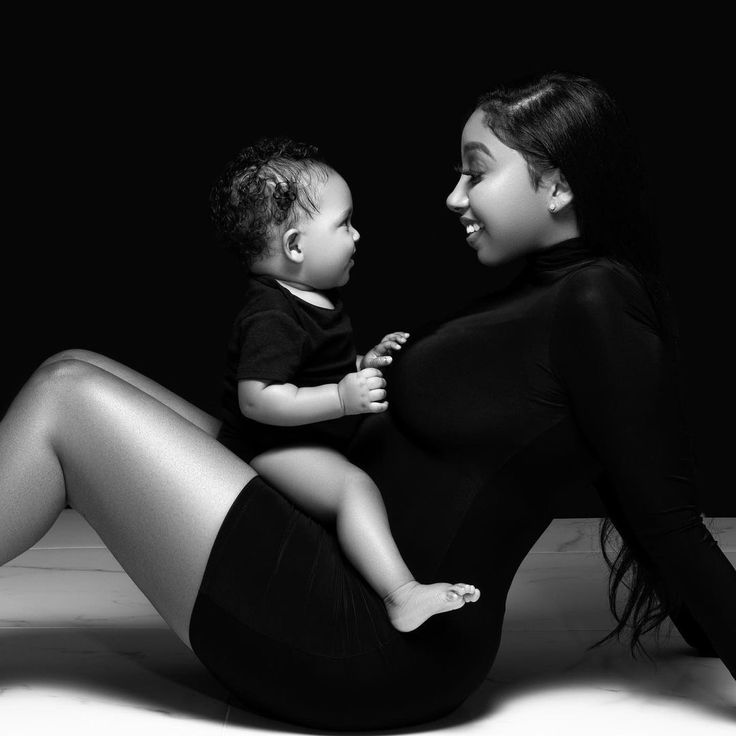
328, 239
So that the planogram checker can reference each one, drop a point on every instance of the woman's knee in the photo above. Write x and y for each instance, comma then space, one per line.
79, 354
51, 388
62, 376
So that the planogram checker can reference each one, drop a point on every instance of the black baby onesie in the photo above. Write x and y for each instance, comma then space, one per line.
281, 338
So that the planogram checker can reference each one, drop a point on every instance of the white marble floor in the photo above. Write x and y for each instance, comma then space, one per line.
82, 651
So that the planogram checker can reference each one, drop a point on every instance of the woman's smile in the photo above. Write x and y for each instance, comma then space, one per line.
473, 229
503, 212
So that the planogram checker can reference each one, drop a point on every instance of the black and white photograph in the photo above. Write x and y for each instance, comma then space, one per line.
366, 387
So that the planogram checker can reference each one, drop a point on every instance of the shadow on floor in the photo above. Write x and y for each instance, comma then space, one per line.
151, 669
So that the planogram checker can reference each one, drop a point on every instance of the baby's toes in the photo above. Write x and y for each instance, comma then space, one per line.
469, 592
457, 591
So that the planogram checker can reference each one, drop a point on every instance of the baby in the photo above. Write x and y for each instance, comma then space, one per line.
295, 389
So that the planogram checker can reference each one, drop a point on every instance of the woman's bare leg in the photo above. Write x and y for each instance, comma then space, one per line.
328, 486
181, 406
153, 485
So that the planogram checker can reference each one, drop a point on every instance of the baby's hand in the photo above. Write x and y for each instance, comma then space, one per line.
378, 355
363, 392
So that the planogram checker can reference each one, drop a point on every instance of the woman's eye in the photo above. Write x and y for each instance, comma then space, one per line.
474, 175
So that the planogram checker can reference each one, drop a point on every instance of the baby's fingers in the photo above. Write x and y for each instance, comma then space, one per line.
376, 407
376, 394
394, 340
369, 372
400, 336
385, 345
379, 361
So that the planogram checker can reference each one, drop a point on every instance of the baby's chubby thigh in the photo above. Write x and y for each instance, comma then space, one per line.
315, 478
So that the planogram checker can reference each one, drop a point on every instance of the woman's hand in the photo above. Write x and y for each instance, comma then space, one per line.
363, 392
379, 355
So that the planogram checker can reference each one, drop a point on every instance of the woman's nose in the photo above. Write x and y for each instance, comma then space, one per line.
457, 200
356, 235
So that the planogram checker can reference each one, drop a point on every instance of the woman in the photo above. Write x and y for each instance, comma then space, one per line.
564, 377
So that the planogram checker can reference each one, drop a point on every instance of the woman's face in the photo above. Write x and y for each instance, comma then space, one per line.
495, 194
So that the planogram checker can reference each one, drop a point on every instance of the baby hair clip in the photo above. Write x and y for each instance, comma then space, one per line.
284, 194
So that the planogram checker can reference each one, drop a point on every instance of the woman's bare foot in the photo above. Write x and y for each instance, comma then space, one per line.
410, 605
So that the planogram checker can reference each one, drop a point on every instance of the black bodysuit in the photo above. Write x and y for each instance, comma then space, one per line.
557, 381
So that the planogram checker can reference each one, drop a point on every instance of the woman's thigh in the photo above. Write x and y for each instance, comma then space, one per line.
181, 406
154, 486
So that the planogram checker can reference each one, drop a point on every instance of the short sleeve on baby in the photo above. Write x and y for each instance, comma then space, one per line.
272, 344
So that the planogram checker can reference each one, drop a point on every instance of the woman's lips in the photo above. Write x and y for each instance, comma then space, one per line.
474, 236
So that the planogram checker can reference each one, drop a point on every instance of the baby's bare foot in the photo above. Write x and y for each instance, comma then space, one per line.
413, 603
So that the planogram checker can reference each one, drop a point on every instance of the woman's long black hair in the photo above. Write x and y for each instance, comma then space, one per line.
571, 123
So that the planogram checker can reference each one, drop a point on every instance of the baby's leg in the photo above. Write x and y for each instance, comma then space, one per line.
327, 486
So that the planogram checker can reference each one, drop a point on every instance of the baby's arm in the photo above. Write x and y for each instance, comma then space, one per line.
287, 405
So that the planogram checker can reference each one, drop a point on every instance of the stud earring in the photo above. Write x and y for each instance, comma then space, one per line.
552, 207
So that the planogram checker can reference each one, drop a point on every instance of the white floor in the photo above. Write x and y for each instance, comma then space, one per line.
82, 651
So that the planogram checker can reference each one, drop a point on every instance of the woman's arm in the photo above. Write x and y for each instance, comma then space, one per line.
689, 628
619, 374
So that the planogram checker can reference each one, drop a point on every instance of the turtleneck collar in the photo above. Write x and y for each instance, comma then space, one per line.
556, 260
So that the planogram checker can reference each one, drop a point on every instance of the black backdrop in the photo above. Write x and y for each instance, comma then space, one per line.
118, 148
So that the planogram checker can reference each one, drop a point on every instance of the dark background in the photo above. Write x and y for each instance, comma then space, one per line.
116, 146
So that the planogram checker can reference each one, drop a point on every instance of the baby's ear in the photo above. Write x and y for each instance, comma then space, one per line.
290, 242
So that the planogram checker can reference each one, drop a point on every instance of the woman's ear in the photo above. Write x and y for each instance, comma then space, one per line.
290, 243
559, 192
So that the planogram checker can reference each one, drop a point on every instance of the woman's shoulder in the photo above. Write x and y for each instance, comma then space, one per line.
603, 289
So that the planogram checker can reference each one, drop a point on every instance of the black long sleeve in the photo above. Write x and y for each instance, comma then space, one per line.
558, 381
608, 354
679, 613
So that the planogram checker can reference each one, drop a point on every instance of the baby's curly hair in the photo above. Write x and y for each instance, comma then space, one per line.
270, 184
